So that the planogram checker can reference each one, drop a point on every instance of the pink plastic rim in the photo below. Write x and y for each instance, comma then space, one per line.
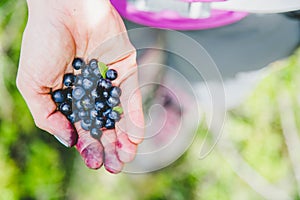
171, 20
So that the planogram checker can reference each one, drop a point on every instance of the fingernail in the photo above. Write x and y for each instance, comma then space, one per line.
62, 141
114, 170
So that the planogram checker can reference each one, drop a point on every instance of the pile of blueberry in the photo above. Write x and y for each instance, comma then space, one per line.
90, 97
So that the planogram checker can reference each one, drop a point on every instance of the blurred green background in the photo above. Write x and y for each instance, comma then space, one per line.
264, 130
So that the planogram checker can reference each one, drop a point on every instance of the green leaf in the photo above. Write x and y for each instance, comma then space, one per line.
103, 69
118, 109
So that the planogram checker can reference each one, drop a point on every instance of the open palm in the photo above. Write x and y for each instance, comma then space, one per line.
54, 35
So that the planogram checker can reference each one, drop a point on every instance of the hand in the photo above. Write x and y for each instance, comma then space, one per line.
58, 31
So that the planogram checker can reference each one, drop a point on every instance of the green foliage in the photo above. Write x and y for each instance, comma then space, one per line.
31, 164
103, 69
118, 109
43, 174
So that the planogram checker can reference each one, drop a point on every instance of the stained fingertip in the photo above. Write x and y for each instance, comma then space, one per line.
112, 164
93, 156
126, 150
111, 161
90, 149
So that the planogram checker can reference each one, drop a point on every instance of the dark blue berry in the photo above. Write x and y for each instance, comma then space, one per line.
109, 124
87, 84
114, 116
105, 94
115, 92
82, 114
68, 94
113, 101
78, 93
69, 80
87, 103
93, 114
86, 72
78, 63
106, 112
97, 73
100, 105
94, 93
65, 108
99, 122
77, 105
94, 97
73, 118
58, 96
96, 133
78, 80
93, 64
104, 83
86, 124
111, 74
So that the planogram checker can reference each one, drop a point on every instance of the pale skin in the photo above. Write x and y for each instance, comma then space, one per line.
56, 32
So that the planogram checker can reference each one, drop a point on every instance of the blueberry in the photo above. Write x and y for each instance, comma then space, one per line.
105, 94
68, 94
99, 122
110, 124
87, 103
78, 63
93, 114
86, 124
114, 116
77, 105
87, 84
115, 92
100, 105
97, 73
93, 97
86, 72
78, 93
94, 64
94, 93
65, 108
82, 114
106, 112
78, 80
96, 133
69, 79
113, 101
111, 74
73, 117
105, 84
58, 96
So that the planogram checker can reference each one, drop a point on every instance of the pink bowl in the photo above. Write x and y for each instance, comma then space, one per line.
171, 20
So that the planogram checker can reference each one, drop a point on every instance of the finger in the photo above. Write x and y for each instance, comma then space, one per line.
90, 149
111, 160
126, 150
131, 101
44, 113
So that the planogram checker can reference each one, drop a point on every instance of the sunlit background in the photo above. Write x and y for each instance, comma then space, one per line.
257, 158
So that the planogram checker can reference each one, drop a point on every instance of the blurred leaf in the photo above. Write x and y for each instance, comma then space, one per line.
118, 109
103, 69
